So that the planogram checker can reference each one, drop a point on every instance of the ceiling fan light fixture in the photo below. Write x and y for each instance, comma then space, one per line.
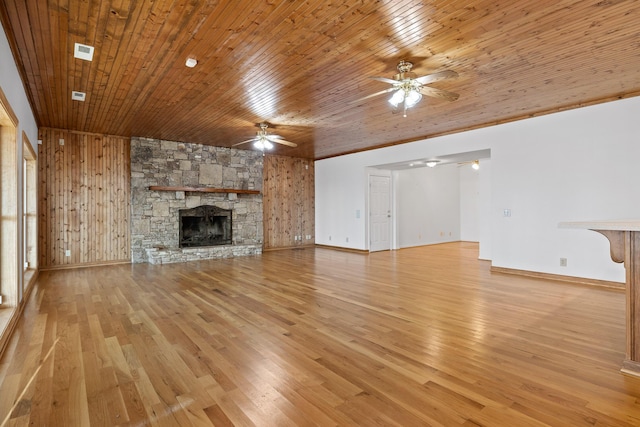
412, 98
263, 141
408, 89
397, 98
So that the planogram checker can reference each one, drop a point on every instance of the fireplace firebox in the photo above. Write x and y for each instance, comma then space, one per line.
205, 226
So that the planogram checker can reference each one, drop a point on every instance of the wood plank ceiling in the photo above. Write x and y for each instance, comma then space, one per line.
299, 65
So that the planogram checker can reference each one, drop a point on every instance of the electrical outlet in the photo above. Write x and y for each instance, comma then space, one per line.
67, 253
563, 262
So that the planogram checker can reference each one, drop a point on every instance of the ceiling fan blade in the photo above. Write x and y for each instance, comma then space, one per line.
391, 89
438, 93
279, 140
244, 142
436, 77
384, 80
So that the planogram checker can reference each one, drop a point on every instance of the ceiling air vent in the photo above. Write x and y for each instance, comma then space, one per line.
78, 96
83, 51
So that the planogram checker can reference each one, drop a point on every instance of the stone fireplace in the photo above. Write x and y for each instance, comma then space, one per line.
231, 221
205, 226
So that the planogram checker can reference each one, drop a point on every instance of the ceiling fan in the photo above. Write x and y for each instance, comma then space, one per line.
263, 141
408, 88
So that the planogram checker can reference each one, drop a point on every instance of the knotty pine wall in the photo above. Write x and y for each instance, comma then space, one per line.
84, 199
288, 202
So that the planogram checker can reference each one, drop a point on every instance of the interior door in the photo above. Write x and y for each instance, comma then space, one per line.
379, 213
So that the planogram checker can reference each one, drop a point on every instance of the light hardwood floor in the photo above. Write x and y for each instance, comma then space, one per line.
420, 336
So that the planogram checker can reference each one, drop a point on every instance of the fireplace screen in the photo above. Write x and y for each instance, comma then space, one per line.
205, 226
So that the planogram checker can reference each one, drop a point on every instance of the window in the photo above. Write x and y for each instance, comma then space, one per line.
9, 278
29, 215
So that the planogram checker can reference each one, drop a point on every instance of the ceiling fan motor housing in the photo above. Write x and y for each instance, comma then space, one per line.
404, 71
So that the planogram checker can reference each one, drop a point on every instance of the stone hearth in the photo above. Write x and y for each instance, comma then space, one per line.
155, 229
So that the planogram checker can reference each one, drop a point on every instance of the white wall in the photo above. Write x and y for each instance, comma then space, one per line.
573, 165
579, 164
342, 193
427, 205
484, 209
469, 204
12, 86
341, 186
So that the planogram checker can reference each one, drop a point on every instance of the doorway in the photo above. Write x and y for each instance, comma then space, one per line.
379, 213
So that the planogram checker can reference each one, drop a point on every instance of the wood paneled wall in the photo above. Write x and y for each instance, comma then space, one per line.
84, 205
288, 202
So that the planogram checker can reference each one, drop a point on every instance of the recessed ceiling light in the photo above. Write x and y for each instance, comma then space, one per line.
78, 96
432, 163
83, 51
191, 62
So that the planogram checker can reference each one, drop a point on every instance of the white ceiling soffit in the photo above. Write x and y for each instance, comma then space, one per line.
469, 156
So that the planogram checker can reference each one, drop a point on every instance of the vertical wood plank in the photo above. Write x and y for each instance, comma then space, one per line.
74, 202
91, 160
84, 198
43, 168
84, 173
288, 201
310, 196
58, 219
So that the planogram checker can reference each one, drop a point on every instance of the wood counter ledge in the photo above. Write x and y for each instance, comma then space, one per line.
616, 224
624, 240
203, 189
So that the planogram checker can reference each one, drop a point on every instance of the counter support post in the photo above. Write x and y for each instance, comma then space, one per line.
625, 247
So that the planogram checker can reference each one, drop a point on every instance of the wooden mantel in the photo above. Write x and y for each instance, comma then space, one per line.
203, 189
624, 240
